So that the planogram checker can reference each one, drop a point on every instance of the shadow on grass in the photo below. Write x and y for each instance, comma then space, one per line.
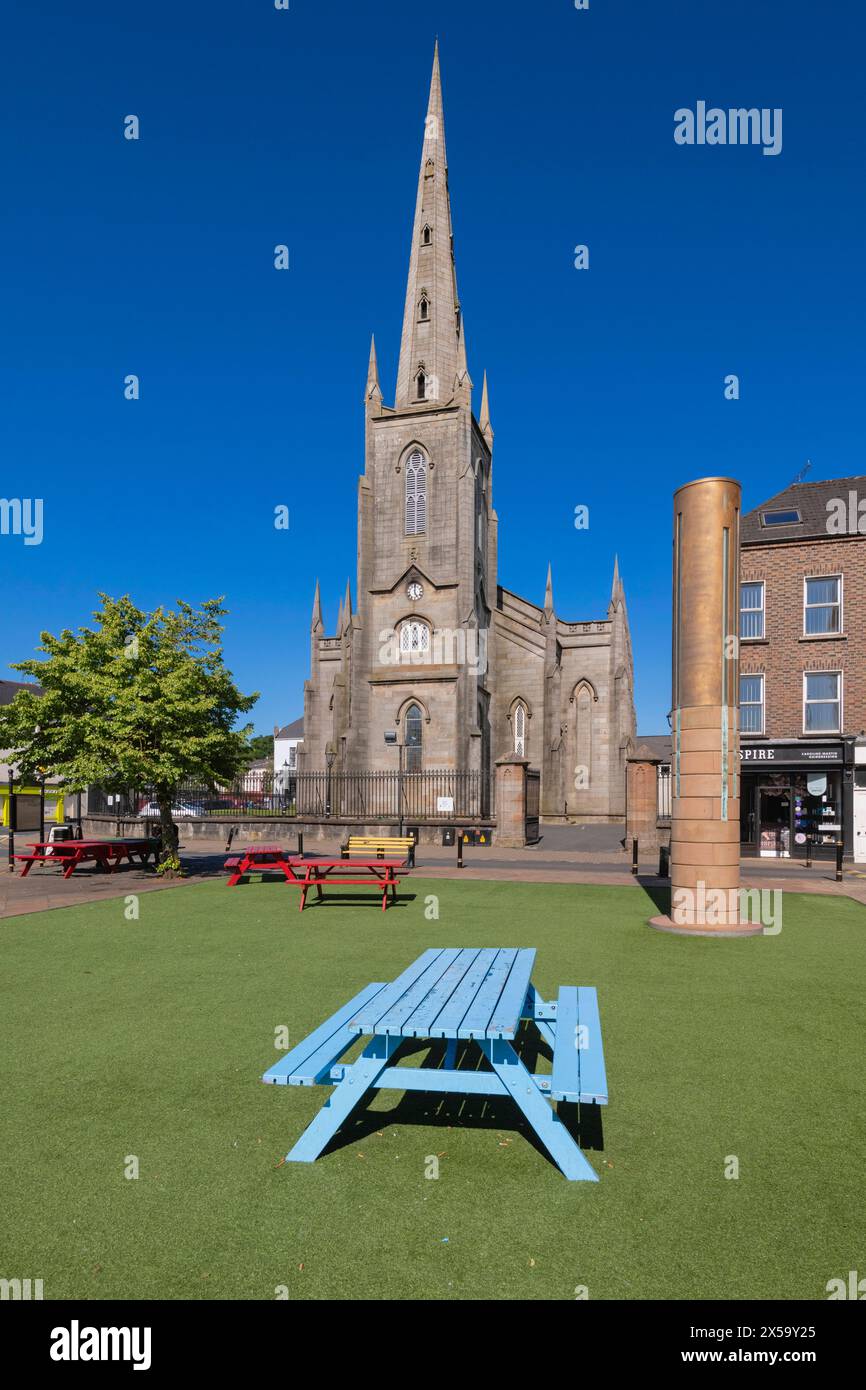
337, 899
452, 1110
660, 895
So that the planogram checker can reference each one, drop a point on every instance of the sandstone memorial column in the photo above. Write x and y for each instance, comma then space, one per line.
705, 767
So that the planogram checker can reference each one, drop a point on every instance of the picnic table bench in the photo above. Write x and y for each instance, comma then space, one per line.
380, 845
475, 994
380, 874
106, 854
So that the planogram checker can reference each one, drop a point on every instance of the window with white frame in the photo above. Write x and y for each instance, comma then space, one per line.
822, 702
752, 609
416, 494
414, 638
822, 605
520, 731
751, 704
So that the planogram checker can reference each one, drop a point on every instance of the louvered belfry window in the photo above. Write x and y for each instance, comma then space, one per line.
520, 731
416, 494
414, 637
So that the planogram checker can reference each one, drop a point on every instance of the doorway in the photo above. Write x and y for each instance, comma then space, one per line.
774, 822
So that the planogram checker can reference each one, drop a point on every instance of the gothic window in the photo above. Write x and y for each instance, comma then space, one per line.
479, 508
422, 386
520, 731
424, 309
427, 236
414, 638
428, 169
416, 493
412, 739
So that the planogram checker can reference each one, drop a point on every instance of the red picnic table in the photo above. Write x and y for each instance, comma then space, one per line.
315, 873
263, 859
106, 854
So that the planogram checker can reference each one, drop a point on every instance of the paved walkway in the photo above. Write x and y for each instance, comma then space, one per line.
45, 887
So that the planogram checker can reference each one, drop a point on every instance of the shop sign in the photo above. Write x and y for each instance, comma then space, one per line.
789, 753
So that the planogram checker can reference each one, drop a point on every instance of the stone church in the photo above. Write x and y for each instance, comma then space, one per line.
436, 649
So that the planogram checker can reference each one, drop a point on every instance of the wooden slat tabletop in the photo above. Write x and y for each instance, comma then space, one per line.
469, 993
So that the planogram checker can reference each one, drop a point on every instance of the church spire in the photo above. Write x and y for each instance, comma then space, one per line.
548, 593
432, 351
347, 605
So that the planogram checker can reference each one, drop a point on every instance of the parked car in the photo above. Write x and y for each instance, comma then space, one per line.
182, 809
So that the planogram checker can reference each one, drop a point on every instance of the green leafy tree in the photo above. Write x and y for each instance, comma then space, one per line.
140, 700
260, 746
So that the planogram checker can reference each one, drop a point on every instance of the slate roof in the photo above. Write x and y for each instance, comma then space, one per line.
295, 730
9, 689
657, 745
810, 499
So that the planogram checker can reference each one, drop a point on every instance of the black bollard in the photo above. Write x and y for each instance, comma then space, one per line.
808, 851
460, 849
634, 856
840, 849
301, 843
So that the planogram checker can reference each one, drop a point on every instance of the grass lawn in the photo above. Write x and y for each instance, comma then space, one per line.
148, 1038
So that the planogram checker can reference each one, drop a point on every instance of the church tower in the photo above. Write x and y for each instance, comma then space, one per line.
434, 649
426, 527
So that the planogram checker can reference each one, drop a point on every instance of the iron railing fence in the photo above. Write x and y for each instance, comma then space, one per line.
442, 794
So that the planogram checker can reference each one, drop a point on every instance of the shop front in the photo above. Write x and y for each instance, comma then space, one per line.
793, 798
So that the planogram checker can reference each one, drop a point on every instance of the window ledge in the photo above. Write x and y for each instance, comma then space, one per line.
754, 641
823, 637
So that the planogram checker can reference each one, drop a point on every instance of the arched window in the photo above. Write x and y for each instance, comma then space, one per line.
520, 731
424, 309
428, 169
414, 638
422, 386
416, 493
427, 236
412, 739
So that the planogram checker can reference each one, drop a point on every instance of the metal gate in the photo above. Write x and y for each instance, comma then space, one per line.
533, 801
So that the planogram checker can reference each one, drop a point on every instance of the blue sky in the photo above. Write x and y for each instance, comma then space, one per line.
304, 127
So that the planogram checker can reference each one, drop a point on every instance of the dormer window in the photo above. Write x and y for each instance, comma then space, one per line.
428, 169
424, 309
427, 236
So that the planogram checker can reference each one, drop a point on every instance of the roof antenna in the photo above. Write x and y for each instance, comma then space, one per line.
802, 473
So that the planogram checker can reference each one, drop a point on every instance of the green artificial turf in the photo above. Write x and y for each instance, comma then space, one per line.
148, 1038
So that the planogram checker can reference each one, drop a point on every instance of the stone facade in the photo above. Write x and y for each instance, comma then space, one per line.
465, 670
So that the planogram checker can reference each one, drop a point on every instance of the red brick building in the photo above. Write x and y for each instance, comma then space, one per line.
803, 667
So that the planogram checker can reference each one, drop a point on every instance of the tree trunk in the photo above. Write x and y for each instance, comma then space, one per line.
168, 853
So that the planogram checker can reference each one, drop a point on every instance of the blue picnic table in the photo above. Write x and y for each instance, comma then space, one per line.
474, 994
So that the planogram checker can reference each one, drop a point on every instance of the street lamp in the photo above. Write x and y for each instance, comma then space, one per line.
330, 755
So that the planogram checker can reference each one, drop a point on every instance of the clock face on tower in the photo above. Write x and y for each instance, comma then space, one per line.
414, 590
